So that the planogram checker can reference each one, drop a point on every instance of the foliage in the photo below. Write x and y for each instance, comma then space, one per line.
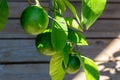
64, 34
4, 12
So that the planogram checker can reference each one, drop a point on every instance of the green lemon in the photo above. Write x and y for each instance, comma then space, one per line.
44, 45
73, 64
34, 20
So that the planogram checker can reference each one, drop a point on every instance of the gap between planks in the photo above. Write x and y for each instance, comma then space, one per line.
24, 62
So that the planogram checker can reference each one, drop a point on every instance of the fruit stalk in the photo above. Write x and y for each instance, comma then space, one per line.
29, 2
37, 3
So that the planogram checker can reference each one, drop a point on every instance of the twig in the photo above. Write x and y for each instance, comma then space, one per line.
29, 2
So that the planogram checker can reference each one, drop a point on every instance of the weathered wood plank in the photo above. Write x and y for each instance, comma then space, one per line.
105, 26
108, 71
102, 34
17, 8
13, 29
25, 51
101, 28
49, 0
101, 49
27, 72
19, 50
24, 72
111, 10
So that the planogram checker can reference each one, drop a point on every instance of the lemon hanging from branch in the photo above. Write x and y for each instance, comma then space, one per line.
34, 19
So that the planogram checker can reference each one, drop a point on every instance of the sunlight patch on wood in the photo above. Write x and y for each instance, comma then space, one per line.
108, 53
108, 61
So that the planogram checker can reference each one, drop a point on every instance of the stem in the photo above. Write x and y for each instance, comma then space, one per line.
47, 8
50, 13
37, 3
51, 18
29, 2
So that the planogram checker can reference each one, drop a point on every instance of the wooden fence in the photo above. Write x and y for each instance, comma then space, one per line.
19, 59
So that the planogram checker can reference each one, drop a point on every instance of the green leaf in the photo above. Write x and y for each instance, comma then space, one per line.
59, 5
4, 11
91, 10
90, 68
56, 70
59, 33
73, 23
65, 53
76, 37
54, 5
73, 10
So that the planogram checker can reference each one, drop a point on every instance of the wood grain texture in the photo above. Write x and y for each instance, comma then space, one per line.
100, 29
19, 50
13, 29
49, 0
24, 72
25, 51
111, 10
16, 8
41, 72
27, 72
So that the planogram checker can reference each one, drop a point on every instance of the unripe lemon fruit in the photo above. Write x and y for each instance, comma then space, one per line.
34, 20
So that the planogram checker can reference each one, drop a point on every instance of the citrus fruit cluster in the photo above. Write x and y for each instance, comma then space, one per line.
34, 21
